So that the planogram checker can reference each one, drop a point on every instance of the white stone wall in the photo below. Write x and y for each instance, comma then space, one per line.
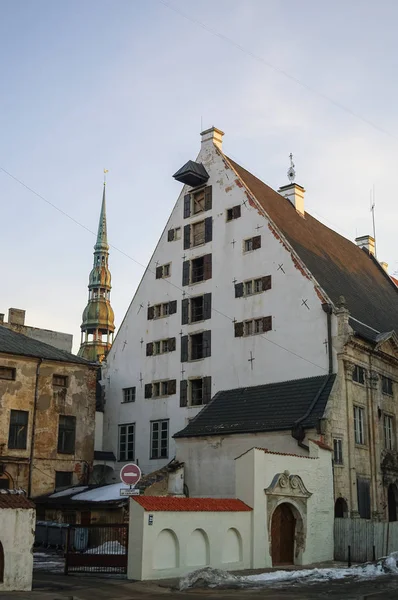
17, 527
294, 327
99, 430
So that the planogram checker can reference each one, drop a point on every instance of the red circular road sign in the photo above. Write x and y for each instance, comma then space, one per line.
130, 474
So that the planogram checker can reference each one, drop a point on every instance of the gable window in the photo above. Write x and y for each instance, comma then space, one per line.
195, 392
253, 286
162, 310
233, 213
63, 479
386, 385
126, 442
129, 394
198, 202
174, 234
338, 451
358, 374
253, 326
157, 389
18, 431
252, 243
197, 269
359, 424
388, 424
196, 309
7, 373
198, 233
159, 439
196, 346
163, 271
161, 346
66, 434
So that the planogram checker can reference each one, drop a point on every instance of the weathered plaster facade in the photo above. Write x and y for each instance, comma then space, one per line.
34, 467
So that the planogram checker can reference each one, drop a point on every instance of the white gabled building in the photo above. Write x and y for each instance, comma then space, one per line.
225, 302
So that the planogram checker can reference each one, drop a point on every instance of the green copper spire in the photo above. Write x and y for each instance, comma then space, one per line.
98, 319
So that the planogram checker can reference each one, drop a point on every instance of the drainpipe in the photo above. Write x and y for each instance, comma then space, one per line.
328, 309
32, 439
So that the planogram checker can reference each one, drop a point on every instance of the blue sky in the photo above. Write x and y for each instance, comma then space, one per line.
127, 84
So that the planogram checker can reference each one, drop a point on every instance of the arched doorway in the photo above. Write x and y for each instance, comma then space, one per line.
283, 529
340, 509
392, 502
1, 563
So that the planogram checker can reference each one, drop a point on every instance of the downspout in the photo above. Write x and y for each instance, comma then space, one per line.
32, 439
328, 309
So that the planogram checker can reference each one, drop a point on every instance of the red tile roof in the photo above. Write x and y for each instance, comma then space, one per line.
14, 499
174, 504
395, 280
321, 445
286, 454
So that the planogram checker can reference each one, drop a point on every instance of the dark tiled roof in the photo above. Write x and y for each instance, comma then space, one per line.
14, 499
17, 343
192, 173
271, 407
339, 266
363, 331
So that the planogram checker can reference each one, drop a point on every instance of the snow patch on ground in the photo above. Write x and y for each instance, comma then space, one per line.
108, 548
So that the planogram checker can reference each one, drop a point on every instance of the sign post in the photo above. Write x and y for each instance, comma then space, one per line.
130, 475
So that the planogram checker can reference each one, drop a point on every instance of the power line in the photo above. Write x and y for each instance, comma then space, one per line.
180, 289
278, 70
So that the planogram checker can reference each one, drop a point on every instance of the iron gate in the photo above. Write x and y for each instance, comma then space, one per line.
96, 548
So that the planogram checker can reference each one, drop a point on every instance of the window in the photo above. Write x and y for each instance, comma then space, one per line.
66, 434
18, 431
63, 479
156, 347
198, 233
388, 423
159, 439
386, 385
158, 389
198, 269
198, 202
195, 392
363, 493
126, 442
338, 451
165, 346
253, 326
196, 346
160, 346
60, 385
248, 288
69, 517
252, 243
60, 381
162, 310
359, 418
7, 373
248, 327
358, 374
129, 394
233, 213
253, 286
174, 234
196, 309
163, 271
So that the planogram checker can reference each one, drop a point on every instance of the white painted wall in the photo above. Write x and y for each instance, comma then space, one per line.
17, 526
99, 430
295, 327
180, 542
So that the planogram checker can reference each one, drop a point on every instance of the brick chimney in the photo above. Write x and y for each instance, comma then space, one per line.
295, 194
16, 316
367, 242
214, 136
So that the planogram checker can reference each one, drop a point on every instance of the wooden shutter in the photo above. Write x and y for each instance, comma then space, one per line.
363, 491
256, 242
149, 349
266, 283
172, 307
184, 348
207, 306
238, 290
184, 392
239, 329
267, 323
159, 272
185, 272
207, 269
208, 198
208, 229
171, 387
187, 236
151, 312
148, 390
184, 311
207, 343
206, 390
236, 212
172, 344
187, 206
170, 235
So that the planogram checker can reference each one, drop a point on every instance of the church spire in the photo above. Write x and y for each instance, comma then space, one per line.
98, 320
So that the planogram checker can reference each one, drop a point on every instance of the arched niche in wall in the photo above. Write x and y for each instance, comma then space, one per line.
166, 550
198, 550
232, 548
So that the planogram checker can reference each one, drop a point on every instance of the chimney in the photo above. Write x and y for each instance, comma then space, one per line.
385, 266
1, 318
214, 136
295, 194
367, 242
16, 316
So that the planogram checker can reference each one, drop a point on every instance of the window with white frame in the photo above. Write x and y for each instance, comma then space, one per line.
159, 439
359, 424
129, 394
126, 442
388, 423
338, 451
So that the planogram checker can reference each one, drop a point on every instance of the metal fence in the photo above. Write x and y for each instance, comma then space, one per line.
50, 535
361, 540
96, 548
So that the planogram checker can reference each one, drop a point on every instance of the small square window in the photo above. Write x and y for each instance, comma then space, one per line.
177, 233
248, 288
258, 286
165, 309
358, 375
198, 202
158, 311
7, 373
129, 394
258, 326
156, 348
165, 345
230, 214
166, 270
63, 479
386, 385
248, 245
164, 388
248, 327
156, 389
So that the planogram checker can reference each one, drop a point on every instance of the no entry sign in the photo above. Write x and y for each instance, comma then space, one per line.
130, 474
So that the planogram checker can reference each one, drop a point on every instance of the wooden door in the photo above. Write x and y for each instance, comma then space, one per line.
282, 535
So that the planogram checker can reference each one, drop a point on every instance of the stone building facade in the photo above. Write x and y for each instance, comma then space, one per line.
47, 415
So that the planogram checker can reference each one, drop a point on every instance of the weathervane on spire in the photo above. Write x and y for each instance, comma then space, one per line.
105, 172
291, 172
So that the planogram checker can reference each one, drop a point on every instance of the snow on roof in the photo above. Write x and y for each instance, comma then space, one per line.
102, 494
69, 491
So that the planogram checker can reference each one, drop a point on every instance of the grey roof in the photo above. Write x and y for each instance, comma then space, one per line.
192, 173
363, 331
271, 407
17, 343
